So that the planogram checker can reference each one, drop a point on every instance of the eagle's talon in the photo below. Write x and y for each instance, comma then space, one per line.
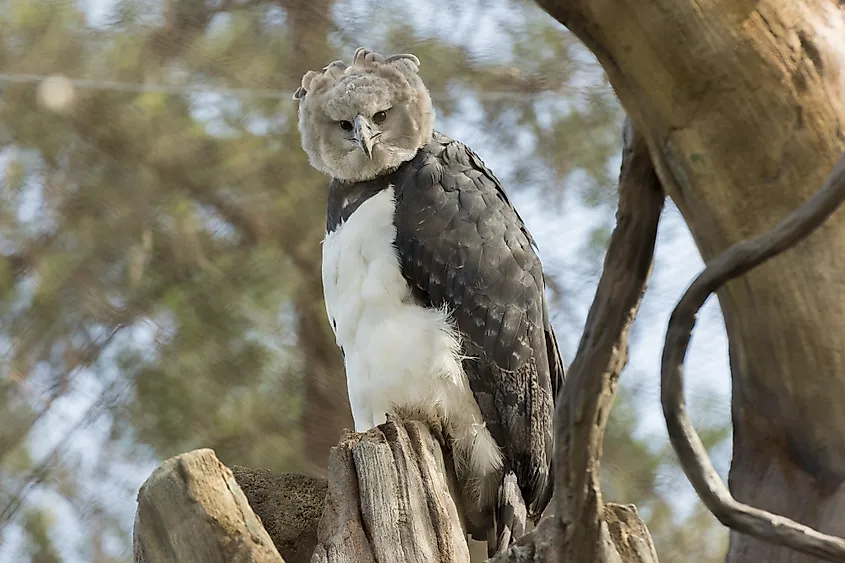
510, 516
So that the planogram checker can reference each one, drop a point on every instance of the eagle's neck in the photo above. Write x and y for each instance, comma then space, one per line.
345, 196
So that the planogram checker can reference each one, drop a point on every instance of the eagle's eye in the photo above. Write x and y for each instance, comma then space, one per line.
379, 116
345, 125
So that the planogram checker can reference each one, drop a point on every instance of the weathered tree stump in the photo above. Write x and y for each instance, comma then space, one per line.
389, 499
191, 509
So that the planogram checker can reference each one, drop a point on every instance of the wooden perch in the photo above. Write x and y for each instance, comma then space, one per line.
389, 500
388, 497
289, 505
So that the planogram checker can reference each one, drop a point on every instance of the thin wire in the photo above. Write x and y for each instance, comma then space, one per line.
176, 89
92, 84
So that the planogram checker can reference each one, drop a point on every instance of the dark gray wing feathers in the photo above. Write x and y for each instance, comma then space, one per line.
462, 244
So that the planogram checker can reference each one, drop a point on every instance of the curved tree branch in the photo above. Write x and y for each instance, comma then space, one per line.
734, 262
584, 404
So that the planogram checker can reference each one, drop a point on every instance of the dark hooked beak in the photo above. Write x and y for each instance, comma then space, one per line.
363, 135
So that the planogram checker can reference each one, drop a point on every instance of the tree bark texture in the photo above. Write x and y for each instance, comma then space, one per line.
290, 506
390, 500
736, 261
192, 510
627, 541
744, 118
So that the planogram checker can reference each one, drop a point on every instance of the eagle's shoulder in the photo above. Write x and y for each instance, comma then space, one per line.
458, 159
462, 243
463, 246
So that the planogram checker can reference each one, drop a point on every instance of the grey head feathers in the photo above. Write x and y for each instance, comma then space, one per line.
361, 121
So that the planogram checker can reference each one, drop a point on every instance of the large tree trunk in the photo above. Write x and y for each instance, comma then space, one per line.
743, 108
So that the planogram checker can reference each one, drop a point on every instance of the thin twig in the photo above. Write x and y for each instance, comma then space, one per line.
734, 262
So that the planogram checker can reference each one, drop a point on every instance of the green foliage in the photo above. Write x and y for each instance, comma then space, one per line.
160, 232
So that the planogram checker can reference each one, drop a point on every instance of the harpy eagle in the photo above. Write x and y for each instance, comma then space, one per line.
433, 287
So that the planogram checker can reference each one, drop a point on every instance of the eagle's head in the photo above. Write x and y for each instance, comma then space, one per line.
361, 121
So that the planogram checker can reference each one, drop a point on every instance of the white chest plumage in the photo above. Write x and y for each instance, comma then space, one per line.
397, 353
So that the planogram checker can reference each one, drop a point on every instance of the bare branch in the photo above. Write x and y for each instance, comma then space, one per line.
587, 396
626, 530
734, 262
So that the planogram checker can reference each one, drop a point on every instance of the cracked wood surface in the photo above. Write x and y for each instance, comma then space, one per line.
389, 500
191, 510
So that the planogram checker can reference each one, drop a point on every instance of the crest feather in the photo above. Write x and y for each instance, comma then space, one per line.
362, 59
